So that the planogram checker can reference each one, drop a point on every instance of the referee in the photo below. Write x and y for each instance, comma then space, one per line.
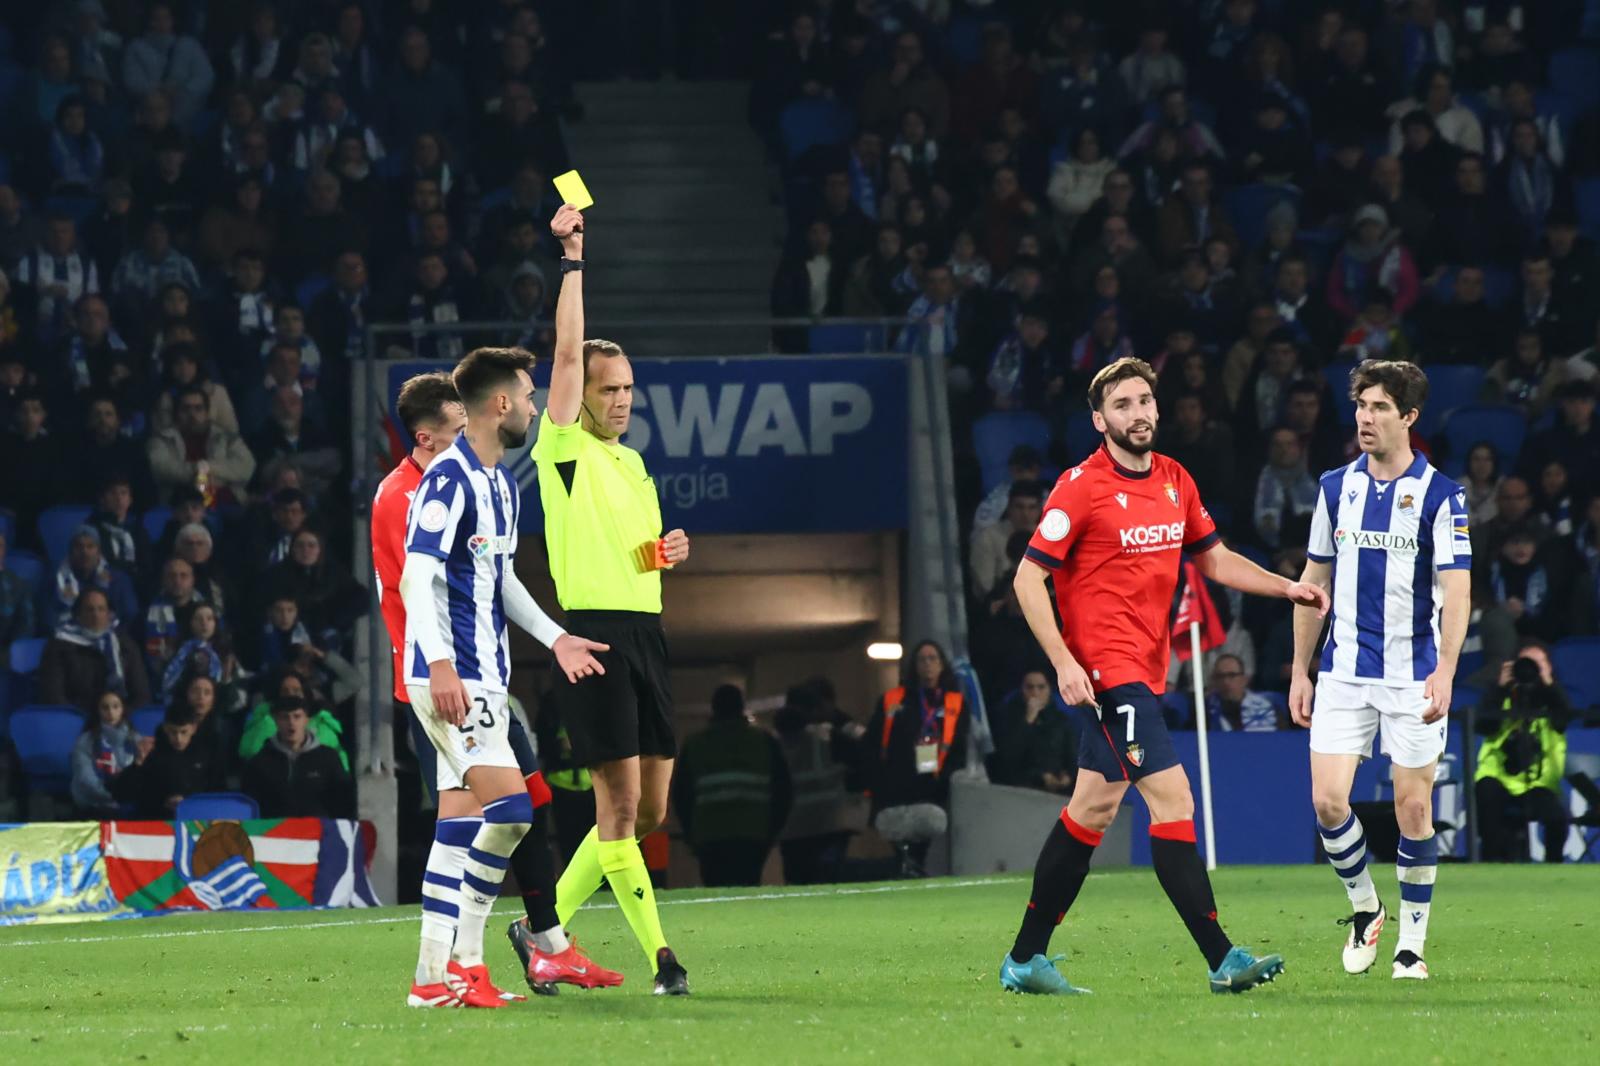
603, 529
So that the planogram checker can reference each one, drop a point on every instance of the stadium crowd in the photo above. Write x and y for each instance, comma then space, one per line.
202, 205
1252, 196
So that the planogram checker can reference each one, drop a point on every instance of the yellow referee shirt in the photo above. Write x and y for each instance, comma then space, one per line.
602, 519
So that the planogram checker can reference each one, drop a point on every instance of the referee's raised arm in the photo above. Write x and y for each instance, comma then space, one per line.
566, 376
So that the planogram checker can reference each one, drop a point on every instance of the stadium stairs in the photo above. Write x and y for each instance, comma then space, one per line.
684, 222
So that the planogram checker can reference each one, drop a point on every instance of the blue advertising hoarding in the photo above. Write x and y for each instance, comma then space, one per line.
757, 444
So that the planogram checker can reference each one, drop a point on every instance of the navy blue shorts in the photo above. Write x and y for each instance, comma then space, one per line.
1128, 740
428, 758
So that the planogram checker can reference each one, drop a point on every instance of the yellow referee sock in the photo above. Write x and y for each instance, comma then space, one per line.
581, 879
623, 864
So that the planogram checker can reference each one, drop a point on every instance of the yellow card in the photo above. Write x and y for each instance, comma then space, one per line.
573, 191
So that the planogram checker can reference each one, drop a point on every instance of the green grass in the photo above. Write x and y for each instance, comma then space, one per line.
900, 973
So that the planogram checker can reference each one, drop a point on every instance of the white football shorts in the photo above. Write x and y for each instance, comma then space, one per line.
1346, 716
479, 741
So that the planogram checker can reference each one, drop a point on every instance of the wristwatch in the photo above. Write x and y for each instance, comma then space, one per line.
569, 265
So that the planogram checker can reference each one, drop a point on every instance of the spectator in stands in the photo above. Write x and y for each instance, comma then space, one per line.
1078, 181
1196, 141
330, 600
1576, 263
93, 358
1376, 333
206, 651
1435, 96
1033, 740
283, 634
195, 545
1193, 216
1151, 68
1026, 371
123, 540
1482, 484
1201, 445
16, 603
808, 284
881, 283
1532, 582
1286, 493
181, 370
1307, 412
921, 727
86, 567
1474, 223
197, 453
1554, 499
907, 81
1392, 190
175, 768
1266, 390
1463, 329
1372, 258
1523, 720
1275, 149
934, 318
288, 434
57, 273
424, 96
287, 684
1003, 649
200, 694
1534, 185
989, 563
1231, 707
293, 775
155, 263
1585, 365
108, 747
76, 158
1539, 310
89, 655
1573, 440
29, 481
245, 222
1023, 464
732, 791
320, 229
1429, 160
1527, 380
165, 60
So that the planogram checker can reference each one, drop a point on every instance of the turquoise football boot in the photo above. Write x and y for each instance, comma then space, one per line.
1241, 971
1038, 976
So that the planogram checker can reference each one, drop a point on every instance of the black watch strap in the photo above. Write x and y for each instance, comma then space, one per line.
569, 265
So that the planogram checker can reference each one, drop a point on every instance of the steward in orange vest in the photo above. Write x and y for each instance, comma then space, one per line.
920, 731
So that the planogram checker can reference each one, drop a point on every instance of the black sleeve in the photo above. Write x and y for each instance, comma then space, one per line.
782, 790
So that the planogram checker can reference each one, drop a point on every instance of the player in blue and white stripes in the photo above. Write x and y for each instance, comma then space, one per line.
459, 587
1389, 538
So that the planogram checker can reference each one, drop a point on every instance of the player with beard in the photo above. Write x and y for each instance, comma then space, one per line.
460, 588
1110, 540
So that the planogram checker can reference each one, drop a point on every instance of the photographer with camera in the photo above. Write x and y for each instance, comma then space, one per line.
1523, 720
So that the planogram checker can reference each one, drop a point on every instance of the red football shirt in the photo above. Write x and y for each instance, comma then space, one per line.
1112, 539
389, 508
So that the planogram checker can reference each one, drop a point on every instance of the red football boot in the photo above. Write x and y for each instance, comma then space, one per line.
472, 984
439, 995
571, 967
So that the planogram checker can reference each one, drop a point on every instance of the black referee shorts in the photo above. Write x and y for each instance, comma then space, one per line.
626, 711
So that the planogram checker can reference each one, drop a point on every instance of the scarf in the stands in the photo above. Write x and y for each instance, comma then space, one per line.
68, 586
77, 160
1532, 190
1531, 583
78, 356
105, 642
183, 662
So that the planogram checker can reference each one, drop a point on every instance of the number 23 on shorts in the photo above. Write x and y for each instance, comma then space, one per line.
486, 716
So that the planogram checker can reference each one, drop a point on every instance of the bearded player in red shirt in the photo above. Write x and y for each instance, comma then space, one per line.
1111, 538
432, 414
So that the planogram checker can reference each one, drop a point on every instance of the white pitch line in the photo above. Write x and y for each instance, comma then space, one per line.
295, 927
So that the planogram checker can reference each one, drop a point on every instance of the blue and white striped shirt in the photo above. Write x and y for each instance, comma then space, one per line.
466, 514
1388, 541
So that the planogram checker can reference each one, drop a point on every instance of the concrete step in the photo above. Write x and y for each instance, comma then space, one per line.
678, 305
709, 156
641, 277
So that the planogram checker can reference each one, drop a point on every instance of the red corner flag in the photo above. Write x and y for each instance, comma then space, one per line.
1194, 605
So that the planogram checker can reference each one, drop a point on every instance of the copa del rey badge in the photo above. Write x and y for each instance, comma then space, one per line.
1172, 493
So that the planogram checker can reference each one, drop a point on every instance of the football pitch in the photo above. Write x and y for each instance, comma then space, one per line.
901, 973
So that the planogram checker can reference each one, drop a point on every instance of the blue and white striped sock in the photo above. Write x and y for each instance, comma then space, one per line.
1417, 864
441, 894
1346, 846
505, 822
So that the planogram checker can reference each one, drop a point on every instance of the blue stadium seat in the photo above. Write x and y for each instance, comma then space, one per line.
8, 525
1575, 72
995, 434
155, 521
840, 339
1498, 286
1248, 205
1502, 427
1337, 375
308, 290
1587, 193
1464, 696
1082, 437
806, 124
1469, 663
56, 526
28, 566
1449, 388
42, 737
217, 807
146, 720
1577, 666
25, 655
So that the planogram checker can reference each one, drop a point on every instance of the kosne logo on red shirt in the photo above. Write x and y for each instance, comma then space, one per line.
1158, 536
